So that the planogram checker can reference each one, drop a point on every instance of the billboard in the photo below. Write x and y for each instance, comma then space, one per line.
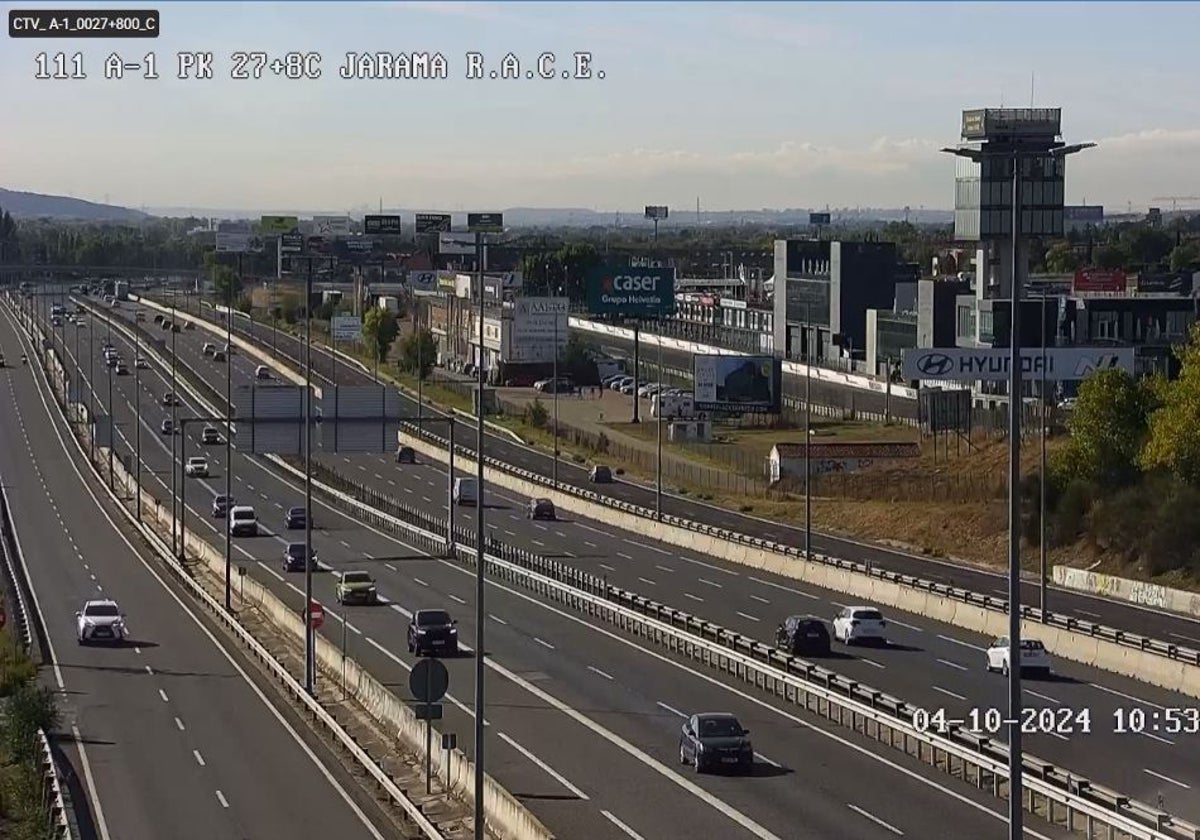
631, 292
818, 218
1084, 214
381, 224
345, 327
656, 211
433, 223
355, 248
331, 225
238, 243
485, 222
538, 326
456, 244
1099, 280
742, 384
278, 224
233, 226
422, 281
1180, 283
1062, 364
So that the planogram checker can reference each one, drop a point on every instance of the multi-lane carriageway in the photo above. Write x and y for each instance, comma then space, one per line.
936, 665
636, 695
583, 722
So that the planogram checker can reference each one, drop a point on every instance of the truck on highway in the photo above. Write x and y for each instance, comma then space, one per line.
121, 290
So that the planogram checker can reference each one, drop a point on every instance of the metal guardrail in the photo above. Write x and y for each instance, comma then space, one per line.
372, 768
1158, 647
1054, 793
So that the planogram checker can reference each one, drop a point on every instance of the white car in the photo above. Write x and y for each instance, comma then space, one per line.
1034, 658
208, 348
141, 364
196, 467
242, 521
100, 621
860, 624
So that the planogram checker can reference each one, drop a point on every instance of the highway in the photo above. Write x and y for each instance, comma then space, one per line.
1169, 627
936, 665
162, 727
575, 710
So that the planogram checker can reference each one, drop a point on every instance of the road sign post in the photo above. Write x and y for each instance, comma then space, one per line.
428, 682
449, 742
316, 614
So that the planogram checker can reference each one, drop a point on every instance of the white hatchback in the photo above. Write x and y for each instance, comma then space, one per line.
1034, 658
242, 521
860, 624
196, 467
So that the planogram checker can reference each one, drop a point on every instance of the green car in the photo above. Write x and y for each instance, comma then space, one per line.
356, 587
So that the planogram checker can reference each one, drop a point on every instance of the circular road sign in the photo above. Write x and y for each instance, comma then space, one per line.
317, 614
429, 680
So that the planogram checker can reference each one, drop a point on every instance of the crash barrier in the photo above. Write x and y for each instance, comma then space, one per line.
504, 814
316, 712
60, 823
1053, 793
1139, 592
1165, 664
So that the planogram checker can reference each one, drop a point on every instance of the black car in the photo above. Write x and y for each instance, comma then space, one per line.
296, 517
406, 455
715, 739
801, 635
600, 474
221, 505
293, 558
541, 509
433, 632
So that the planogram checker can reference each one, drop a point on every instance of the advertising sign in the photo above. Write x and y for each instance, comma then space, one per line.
539, 326
1063, 364
291, 243
354, 248
331, 225
346, 327
1179, 283
381, 224
485, 222
433, 223
631, 292
278, 224
447, 281
741, 384
318, 245
656, 211
456, 244
1099, 280
1084, 213
238, 243
818, 218
422, 281
233, 226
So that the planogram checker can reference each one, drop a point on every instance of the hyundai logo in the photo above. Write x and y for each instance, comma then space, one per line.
935, 364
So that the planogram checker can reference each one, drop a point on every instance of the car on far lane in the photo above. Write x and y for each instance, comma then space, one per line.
432, 631
243, 521
357, 588
541, 509
167, 427
196, 467
100, 621
800, 635
169, 399
293, 557
715, 739
2, 364
860, 624
1034, 659
262, 372
122, 370
208, 349
209, 435
141, 364
600, 474
406, 455
221, 505
296, 517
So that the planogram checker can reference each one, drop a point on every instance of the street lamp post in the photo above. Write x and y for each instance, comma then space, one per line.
1042, 476
174, 435
480, 563
807, 439
137, 411
554, 380
310, 664
229, 435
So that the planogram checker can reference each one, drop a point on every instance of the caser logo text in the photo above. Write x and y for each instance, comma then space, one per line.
630, 283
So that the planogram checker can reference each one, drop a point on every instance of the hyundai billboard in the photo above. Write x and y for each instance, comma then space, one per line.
631, 292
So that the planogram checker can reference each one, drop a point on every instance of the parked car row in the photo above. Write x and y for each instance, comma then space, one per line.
625, 384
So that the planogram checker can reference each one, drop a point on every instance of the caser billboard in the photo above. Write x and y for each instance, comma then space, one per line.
631, 292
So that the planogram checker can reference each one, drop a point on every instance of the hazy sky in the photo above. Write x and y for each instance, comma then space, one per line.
745, 105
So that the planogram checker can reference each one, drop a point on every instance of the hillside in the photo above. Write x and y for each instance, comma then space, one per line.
27, 205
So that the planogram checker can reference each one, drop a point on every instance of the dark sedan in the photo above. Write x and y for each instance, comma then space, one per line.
432, 632
541, 509
293, 558
296, 517
803, 635
715, 739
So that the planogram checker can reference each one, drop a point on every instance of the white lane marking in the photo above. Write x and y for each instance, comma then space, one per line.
695, 562
672, 709
950, 664
554, 774
452, 597
1159, 738
1126, 696
199, 758
874, 819
221, 797
646, 581
589, 544
87, 769
179, 724
391, 566
664, 568
747, 616
709, 582
947, 692
960, 642
625, 556
150, 671
162, 694
497, 619
1045, 697
646, 759
1167, 779
693, 597
633, 835
543, 643
344, 545
137, 649
760, 600
368, 555
1185, 638
785, 588
538, 542
1088, 613
646, 545
605, 566
416, 579
912, 627
872, 663
596, 670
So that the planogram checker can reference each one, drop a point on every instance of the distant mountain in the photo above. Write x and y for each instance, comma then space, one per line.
35, 205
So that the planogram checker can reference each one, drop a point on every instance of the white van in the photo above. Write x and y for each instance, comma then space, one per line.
466, 491
242, 521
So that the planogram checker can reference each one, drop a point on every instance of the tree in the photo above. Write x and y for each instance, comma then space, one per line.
226, 283
1108, 427
418, 352
1148, 246
8, 237
1186, 255
1174, 439
379, 330
1115, 255
1061, 258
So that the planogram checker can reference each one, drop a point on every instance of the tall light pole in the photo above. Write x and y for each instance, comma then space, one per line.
229, 434
555, 381
175, 434
92, 383
807, 438
1015, 154
310, 664
1042, 476
137, 412
480, 615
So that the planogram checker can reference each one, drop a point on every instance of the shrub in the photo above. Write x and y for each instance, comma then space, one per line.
16, 668
536, 414
29, 708
1071, 512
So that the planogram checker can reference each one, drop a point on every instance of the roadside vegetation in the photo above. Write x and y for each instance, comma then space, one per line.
25, 707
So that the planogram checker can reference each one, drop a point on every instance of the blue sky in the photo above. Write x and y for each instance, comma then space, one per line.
744, 105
